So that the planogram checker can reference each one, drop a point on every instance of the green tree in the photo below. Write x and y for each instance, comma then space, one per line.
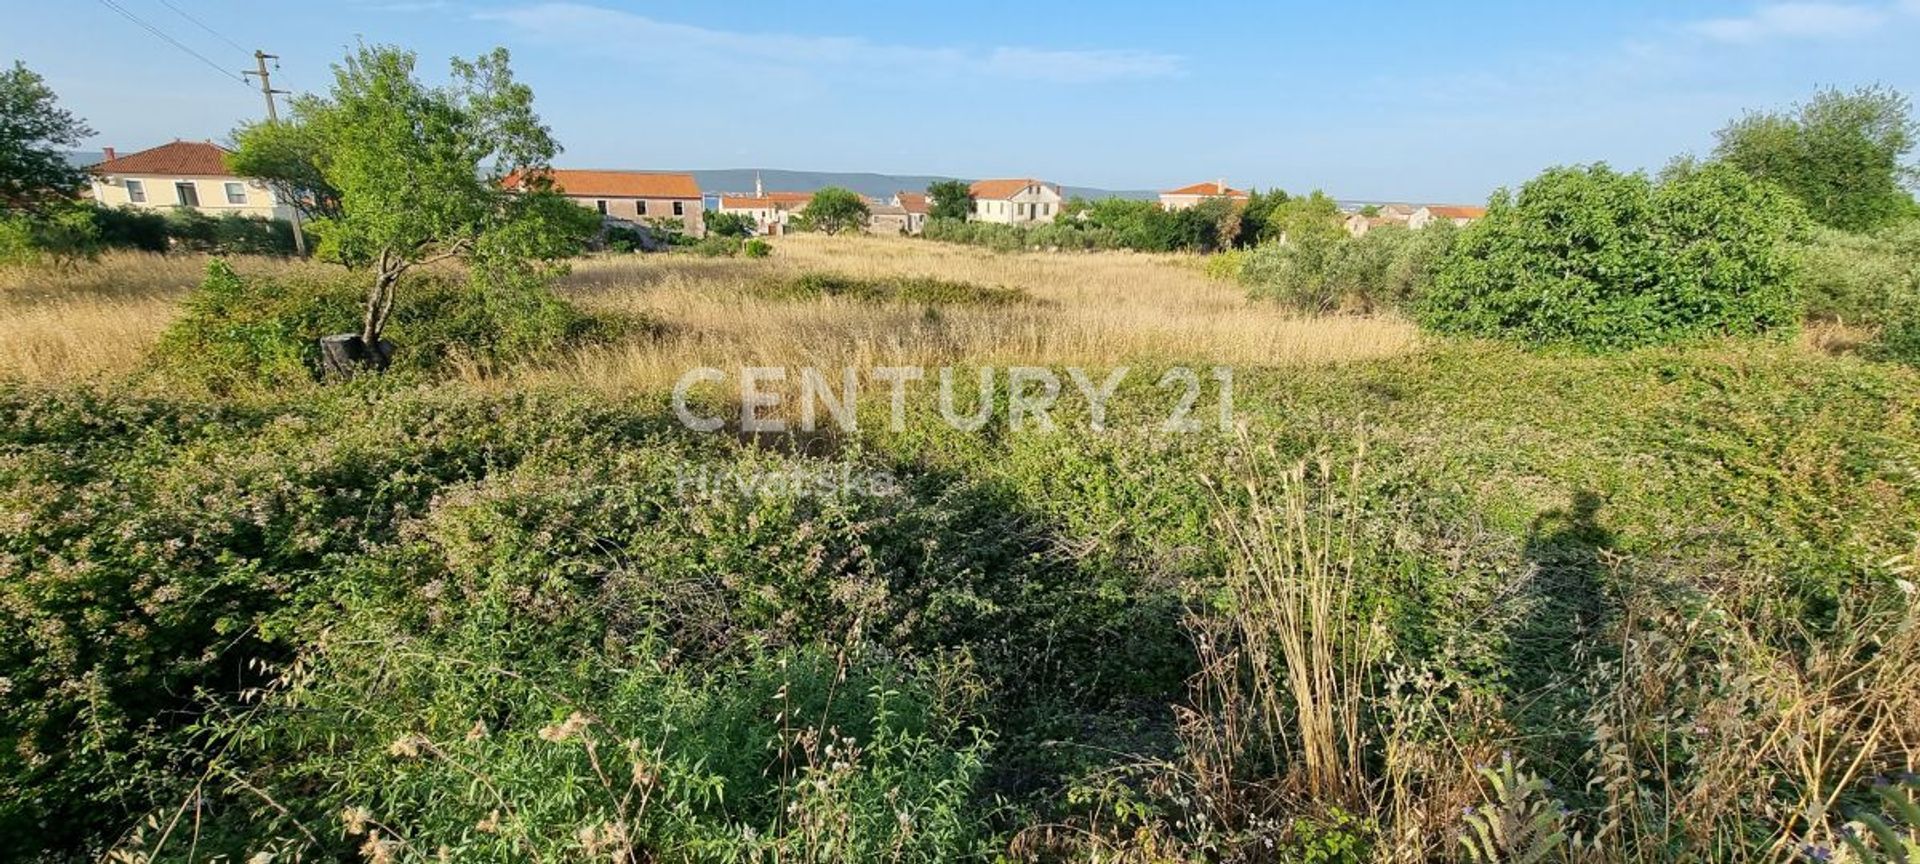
35, 133
1840, 154
949, 199
728, 224
1590, 257
833, 210
427, 173
286, 157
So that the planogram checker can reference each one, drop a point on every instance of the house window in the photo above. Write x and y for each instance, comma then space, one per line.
640, 207
601, 205
189, 196
1046, 209
679, 208
236, 193
136, 192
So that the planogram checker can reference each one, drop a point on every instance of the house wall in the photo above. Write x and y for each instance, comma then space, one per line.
162, 195
1183, 202
1034, 204
692, 216
890, 224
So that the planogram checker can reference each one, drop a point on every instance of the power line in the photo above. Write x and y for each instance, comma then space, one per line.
203, 25
170, 40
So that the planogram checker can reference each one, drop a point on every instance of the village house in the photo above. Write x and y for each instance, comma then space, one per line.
1458, 215
1409, 216
637, 197
917, 206
1190, 196
1015, 202
772, 212
191, 174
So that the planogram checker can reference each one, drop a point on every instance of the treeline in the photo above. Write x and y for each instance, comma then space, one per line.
1213, 225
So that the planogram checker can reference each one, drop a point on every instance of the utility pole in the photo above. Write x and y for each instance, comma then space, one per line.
260, 59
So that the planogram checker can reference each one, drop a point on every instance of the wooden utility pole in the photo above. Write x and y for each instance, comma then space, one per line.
260, 59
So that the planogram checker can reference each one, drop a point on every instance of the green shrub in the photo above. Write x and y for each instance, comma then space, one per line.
1318, 272
61, 236
136, 228
240, 334
229, 233
620, 238
718, 246
1593, 258
1900, 334
757, 248
728, 224
1857, 277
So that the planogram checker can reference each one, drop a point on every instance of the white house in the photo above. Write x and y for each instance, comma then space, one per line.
182, 174
1189, 196
1015, 202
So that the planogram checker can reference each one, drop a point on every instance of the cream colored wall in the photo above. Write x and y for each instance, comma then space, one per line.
211, 189
1008, 211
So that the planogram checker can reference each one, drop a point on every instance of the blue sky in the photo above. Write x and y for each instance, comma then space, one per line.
1404, 101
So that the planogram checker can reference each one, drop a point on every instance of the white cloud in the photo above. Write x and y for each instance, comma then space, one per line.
1801, 21
625, 34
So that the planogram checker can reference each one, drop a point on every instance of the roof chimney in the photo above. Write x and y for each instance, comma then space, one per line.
106, 154
1222, 184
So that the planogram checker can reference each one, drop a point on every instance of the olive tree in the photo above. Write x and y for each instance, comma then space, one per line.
423, 174
833, 210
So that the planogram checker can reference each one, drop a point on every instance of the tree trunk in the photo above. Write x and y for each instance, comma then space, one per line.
345, 355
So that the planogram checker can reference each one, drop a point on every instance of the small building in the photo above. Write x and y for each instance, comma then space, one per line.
889, 219
634, 197
917, 206
1015, 202
772, 212
191, 174
1190, 196
1457, 214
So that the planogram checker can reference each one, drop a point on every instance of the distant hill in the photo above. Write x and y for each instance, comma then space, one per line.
870, 185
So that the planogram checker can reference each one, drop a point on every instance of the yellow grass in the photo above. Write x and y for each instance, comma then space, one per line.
1093, 310
96, 319
1103, 309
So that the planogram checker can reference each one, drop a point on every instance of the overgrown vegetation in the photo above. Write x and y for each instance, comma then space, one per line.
1593, 258
1472, 603
250, 336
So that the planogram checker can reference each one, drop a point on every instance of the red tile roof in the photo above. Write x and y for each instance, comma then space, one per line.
1445, 211
1213, 189
577, 183
913, 202
178, 159
995, 190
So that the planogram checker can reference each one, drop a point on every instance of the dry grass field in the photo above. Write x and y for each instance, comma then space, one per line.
1094, 309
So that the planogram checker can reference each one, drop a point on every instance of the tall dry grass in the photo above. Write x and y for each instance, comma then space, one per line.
96, 319
101, 318
1093, 310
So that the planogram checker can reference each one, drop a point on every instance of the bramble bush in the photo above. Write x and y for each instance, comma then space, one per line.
1593, 258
